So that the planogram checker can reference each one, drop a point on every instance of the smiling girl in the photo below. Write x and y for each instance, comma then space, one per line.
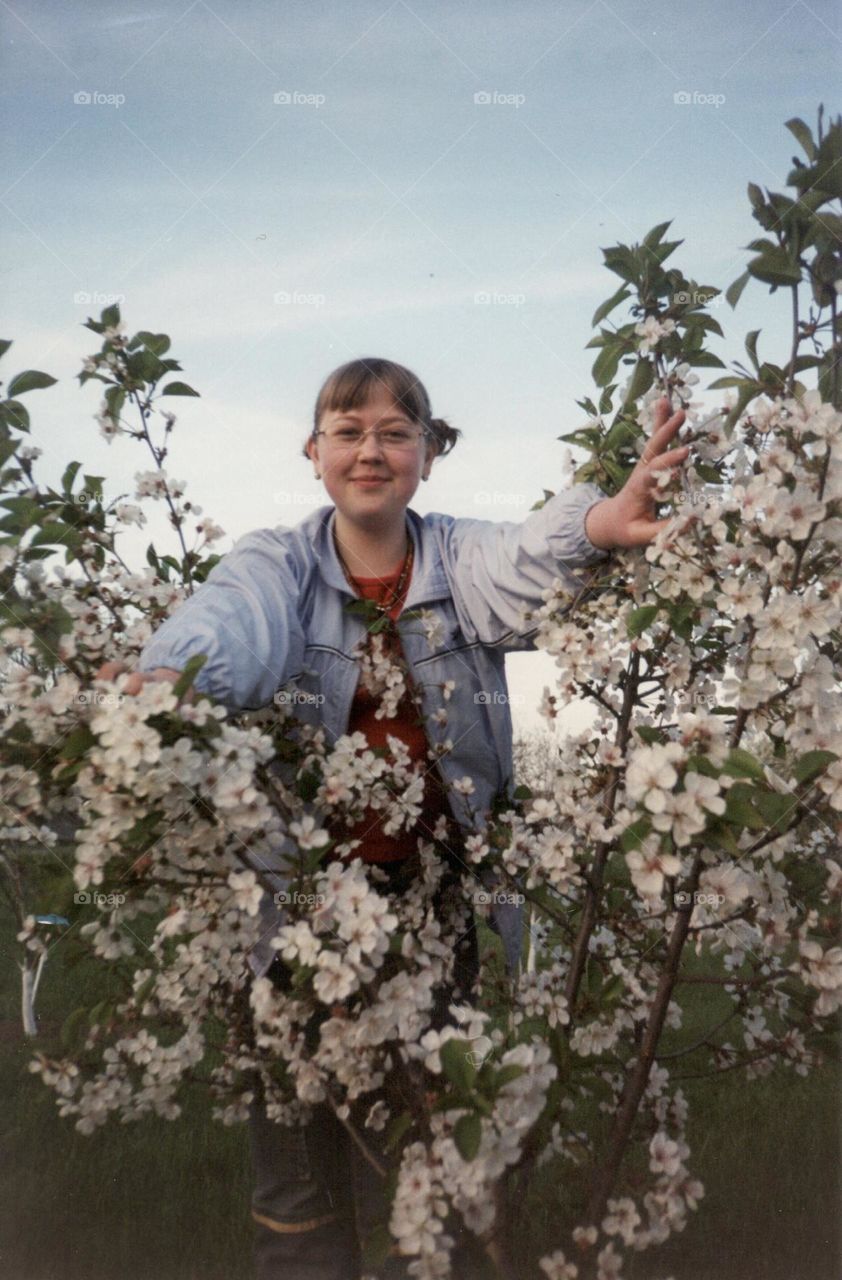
284, 607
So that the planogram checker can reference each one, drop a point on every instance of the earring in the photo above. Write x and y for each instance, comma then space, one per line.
318, 475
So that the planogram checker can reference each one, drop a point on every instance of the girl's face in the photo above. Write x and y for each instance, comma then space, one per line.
369, 482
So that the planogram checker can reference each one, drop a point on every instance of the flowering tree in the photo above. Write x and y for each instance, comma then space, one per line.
695, 822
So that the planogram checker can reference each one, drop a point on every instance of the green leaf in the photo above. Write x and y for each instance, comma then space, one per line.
704, 360
115, 398
811, 764
774, 266
605, 403
732, 380
641, 380
145, 366
457, 1067
110, 317
610, 303
721, 835
739, 809
649, 734
68, 478
775, 808
71, 1026
145, 989
158, 343
623, 262
680, 616
467, 1134
145, 831
662, 251
77, 743
30, 380
16, 415
397, 1129
635, 833
656, 235
640, 619
742, 764
751, 347
178, 389
191, 669
605, 365
587, 437
5, 343
504, 1075
801, 132
748, 393
7, 450
701, 320
734, 291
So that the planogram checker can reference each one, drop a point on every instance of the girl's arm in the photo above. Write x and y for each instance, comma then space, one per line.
244, 617
496, 568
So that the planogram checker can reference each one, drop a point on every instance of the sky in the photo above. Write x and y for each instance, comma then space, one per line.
283, 188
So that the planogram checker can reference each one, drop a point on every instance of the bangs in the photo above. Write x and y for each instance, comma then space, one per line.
352, 385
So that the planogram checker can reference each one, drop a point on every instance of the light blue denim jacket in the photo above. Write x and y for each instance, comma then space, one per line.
271, 616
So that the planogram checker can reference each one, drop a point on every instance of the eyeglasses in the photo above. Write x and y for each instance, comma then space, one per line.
394, 439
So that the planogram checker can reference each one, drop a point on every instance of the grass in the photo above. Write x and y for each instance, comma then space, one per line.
165, 1200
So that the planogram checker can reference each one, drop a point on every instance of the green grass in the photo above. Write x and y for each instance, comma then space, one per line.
165, 1200
153, 1200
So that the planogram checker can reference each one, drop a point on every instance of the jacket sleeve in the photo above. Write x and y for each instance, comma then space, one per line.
244, 617
496, 568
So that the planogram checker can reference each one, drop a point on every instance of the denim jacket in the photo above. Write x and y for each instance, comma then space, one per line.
271, 616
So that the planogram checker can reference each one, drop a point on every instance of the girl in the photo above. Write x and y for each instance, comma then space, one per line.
273, 615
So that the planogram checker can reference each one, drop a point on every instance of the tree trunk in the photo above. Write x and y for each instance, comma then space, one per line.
29, 977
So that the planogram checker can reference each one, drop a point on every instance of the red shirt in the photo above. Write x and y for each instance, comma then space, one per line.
376, 845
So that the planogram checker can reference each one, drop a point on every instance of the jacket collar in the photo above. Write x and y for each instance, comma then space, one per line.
428, 582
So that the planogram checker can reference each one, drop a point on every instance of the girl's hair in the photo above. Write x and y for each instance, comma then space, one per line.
351, 385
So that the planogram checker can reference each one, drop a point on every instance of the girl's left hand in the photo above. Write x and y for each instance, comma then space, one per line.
628, 519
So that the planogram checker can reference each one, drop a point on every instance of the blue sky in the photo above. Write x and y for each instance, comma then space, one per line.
379, 198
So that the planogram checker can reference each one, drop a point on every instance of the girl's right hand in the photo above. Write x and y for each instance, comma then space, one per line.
136, 681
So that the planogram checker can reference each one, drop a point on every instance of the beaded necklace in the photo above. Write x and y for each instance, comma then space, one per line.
381, 608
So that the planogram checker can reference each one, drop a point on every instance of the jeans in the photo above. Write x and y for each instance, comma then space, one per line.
316, 1198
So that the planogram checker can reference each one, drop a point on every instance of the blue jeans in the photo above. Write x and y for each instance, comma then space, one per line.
316, 1198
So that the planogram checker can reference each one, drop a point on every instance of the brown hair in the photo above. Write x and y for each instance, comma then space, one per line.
350, 386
